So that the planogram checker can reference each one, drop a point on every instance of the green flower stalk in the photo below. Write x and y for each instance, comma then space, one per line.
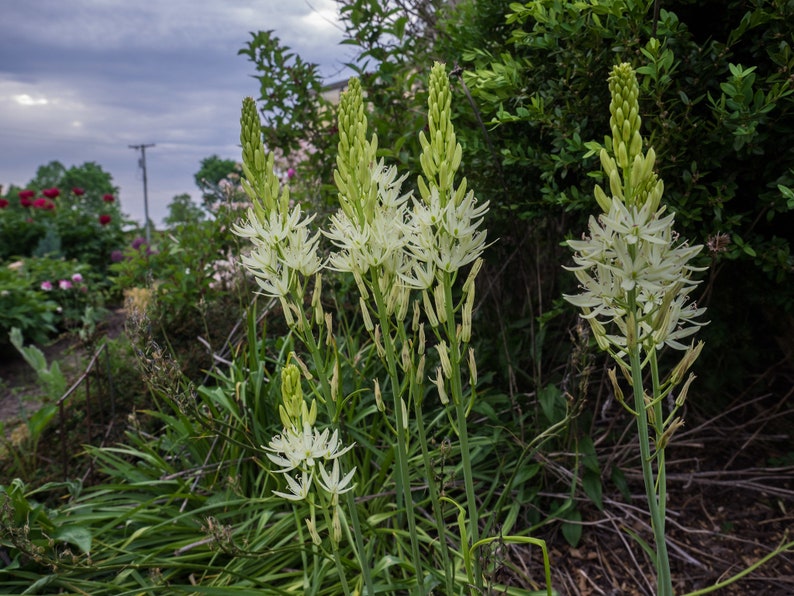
370, 232
635, 281
447, 237
283, 260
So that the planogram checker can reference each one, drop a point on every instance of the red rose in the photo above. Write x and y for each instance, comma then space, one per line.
25, 202
49, 205
3, 203
108, 198
78, 191
26, 195
40, 203
51, 193
104, 219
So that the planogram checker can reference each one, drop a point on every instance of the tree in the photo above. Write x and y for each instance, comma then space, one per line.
182, 210
213, 170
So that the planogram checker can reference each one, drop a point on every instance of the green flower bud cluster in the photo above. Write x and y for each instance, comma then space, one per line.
285, 252
355, 158
302, 447
625, 120
441, 153
259, 182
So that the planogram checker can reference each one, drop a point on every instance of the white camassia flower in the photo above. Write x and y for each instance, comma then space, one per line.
299, 488
633, 250
282, 245
293, 449
376, 240
333, 483
445, 238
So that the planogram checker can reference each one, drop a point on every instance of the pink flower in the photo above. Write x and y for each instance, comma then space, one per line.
51, 193
46, 286
104, 219
77, 278
108, 198
3, 203
26, 194
40, 203
291, 173
65, 284
78, 191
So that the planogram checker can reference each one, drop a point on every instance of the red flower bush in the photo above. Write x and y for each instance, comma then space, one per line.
104, 219
26, 195
108, 198
3, 203
25, 202
51, 193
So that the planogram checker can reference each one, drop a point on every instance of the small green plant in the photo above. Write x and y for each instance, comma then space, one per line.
25, 453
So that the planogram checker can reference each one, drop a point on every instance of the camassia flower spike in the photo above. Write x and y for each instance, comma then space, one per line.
635, 281
631, 265
285, 252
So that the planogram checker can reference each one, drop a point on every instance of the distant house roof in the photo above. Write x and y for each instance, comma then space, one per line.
333, 91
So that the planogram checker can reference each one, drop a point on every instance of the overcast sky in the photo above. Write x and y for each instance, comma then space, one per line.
81, 80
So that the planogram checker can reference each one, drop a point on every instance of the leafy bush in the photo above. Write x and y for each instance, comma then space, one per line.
71, 213
194, 286
720, 91
28, 308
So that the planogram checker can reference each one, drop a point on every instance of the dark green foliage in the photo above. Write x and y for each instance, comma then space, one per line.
716, 105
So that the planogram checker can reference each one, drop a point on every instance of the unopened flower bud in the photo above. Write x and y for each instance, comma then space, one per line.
335, 381
443, 355
664, 440
420, 370
686, 362
416, 316
379, 397
615, 386
313, 532
681, 398
439, 381
317, 303
472, 368
439, 296
379, 342
429, 310
365, 314
329, 329
468, 286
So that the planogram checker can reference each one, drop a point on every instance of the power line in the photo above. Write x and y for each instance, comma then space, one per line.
142, 164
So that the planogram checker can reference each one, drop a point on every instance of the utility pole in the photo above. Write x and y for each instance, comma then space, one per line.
142, 164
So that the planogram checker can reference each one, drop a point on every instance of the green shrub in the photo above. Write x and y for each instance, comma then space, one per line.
28, 308
73, 214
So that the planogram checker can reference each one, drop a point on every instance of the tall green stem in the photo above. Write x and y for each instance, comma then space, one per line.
402, 473
416, 393
319, 366
664, 584
456, 389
